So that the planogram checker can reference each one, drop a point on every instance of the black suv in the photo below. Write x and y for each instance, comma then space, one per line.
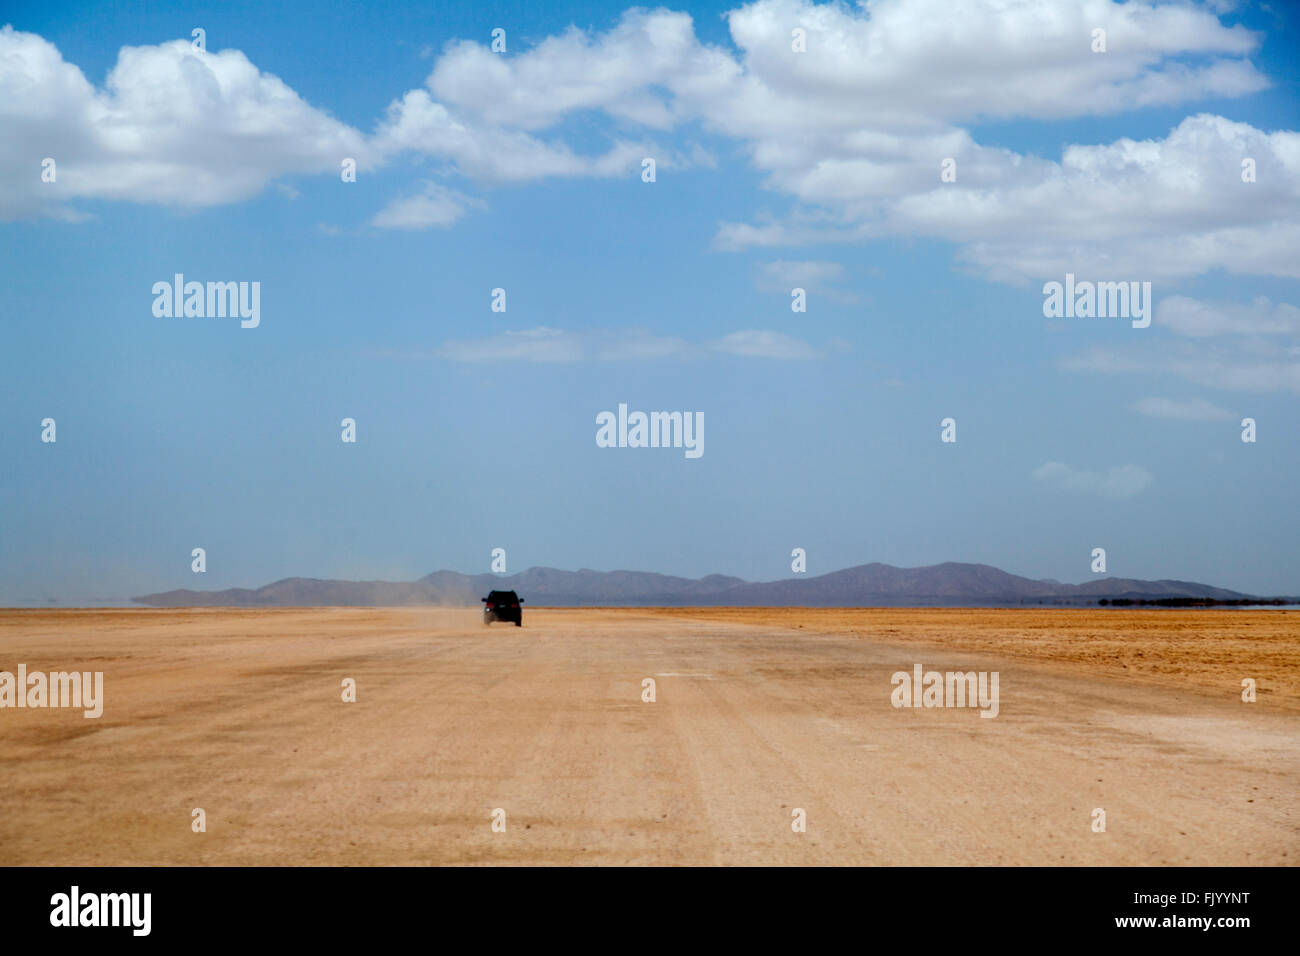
503, 606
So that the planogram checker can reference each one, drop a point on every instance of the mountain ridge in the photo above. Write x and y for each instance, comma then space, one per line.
951, 583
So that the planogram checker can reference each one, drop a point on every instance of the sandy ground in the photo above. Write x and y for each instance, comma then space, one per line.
758, 712
1207, 649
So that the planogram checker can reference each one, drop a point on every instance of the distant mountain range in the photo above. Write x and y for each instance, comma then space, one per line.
868, 585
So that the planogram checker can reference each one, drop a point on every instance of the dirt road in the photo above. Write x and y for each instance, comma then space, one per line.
240, 713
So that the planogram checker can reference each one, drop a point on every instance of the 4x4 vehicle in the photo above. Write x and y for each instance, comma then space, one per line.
503, 606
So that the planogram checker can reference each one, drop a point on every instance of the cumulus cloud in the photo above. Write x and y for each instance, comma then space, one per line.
1154, 209
489, 152
1151, 209
435, 206
889, 62
634, 71
171, 125
1121, 481
854, 130
892, 65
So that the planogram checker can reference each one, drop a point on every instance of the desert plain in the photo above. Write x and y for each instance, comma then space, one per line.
758, 713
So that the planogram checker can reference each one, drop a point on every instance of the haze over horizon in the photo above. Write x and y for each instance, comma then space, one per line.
952, 584
869, 585
477, 429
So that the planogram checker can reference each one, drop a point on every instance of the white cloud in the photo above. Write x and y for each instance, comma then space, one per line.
813, 276
530, 345
756, 343
615, 72
1247, 366
435, 206
892, 63
1149, 210
544, 344
171, 125
810, 274
1252, 347
1192, 317
493, 153
1121, 481
1154, 209
1192, 410
896, 65
854, 130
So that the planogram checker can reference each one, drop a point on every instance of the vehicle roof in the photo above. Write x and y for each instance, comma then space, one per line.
502, 593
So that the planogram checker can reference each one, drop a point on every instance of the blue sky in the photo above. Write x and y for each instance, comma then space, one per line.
476, 429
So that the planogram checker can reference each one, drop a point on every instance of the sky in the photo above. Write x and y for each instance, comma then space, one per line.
522, 169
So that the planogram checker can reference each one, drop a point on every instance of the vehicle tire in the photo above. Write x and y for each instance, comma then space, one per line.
519, 623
